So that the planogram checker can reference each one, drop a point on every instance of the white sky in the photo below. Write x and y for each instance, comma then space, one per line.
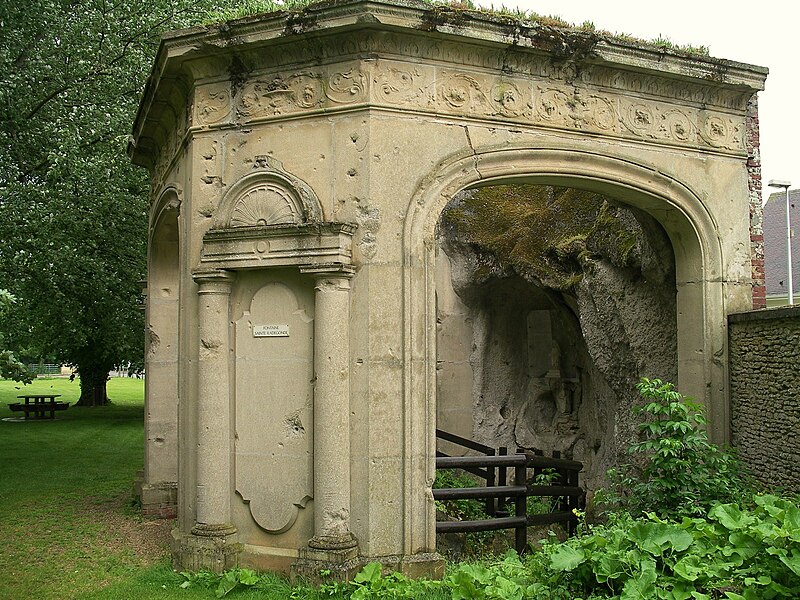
758, 32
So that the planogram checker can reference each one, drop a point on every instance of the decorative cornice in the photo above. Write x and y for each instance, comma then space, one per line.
307, 245
321, 59
615, 104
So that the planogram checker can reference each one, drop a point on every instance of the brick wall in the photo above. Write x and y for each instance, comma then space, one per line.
754, 188
765, 393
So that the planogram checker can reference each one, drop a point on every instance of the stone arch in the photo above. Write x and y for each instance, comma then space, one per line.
161, 356
692, 231
269, 196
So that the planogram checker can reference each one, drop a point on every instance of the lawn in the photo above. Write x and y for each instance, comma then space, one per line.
68, 525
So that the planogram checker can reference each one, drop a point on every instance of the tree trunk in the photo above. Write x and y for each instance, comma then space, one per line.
93, 386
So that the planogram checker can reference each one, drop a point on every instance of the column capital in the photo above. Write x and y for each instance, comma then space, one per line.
214, 281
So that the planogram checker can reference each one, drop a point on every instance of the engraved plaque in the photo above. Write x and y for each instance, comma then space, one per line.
271, 330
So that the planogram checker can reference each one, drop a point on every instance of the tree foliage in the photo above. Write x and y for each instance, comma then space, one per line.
73, 210
676, 470
10, 366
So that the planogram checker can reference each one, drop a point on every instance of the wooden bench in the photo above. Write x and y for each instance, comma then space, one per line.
39, 405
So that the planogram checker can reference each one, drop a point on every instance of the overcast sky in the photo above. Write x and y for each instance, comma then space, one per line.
758, 32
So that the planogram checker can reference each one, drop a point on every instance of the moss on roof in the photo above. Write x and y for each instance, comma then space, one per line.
249, 8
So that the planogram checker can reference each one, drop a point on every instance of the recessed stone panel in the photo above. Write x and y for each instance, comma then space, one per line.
274, 405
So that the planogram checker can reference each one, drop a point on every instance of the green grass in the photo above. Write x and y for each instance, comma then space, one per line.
65, 492
68, 527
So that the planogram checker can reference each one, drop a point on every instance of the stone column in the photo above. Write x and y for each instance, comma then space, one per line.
333, 546
214, 544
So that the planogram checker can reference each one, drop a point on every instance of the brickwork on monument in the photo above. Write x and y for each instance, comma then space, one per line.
752, 143
765, 393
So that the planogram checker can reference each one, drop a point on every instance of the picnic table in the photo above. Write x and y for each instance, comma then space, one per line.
39, 405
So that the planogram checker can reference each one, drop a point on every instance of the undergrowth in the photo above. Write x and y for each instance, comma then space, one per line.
676, 471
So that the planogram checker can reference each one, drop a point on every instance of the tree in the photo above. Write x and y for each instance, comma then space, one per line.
73, 210
10, 366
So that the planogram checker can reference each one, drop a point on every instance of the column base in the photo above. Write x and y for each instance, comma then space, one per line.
339, 541
208, 547
319, 566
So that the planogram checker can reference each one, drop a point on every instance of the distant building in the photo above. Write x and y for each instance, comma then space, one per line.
775, 247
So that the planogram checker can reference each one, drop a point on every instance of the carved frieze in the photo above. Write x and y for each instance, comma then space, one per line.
516, 60
615, 103
483, 95
300, 91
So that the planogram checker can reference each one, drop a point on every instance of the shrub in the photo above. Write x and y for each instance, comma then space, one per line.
733, 553
676, 471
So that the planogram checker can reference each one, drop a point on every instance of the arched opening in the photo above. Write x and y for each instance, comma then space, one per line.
679, 212
551, 303
159, 492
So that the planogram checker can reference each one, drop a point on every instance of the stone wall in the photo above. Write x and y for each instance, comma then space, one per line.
765, 393
753, 145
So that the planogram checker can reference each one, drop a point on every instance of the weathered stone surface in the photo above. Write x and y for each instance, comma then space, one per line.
765, 394
571, 300
322, 150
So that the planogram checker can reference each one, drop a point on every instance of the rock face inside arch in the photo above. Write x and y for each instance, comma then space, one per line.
561, 300
300, 164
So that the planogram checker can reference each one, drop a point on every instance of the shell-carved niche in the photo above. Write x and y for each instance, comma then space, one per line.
270, 196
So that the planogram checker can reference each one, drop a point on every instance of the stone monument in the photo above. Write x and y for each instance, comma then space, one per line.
300, 163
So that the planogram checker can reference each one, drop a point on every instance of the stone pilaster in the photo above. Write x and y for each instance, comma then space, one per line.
213, 535
333, 546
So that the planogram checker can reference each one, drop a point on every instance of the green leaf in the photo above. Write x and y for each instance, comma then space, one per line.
227, 583
248, 577
567, 558
689, 567
371, 572
793, 562
730, 516
609, 567
463, 586
641, 584
505, 588
655, 538
744, 545
792, 523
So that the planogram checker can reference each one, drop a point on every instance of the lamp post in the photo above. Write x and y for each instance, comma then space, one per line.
781, 183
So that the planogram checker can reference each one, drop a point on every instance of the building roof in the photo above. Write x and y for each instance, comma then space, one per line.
775, 242
315, 33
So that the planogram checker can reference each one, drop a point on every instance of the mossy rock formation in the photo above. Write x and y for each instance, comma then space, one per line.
603, 275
